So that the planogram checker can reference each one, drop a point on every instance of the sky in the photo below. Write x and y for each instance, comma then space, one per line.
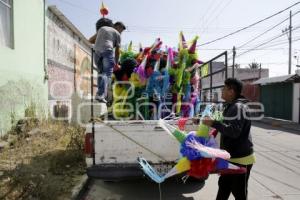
147, 20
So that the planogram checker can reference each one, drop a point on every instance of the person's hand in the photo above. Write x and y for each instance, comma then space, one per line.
117, 67
207, 121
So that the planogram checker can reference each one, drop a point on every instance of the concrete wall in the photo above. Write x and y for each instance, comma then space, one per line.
22, 68
240, 73
244, 74
296, 102
66, 53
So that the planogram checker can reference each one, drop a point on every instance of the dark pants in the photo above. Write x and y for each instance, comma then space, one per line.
237, 184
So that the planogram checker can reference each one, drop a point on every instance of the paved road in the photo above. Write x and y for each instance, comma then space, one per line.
276, 175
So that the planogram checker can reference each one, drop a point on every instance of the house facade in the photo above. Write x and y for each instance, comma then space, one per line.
23, 74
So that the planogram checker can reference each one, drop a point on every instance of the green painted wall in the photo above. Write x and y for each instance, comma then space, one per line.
278, 100
22, 68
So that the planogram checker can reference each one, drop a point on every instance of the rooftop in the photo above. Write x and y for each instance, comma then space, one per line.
69, 24
278, 79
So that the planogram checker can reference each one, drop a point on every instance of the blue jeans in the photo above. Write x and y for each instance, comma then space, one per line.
105, 62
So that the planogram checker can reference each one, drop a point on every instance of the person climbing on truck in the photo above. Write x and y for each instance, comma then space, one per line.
107, 50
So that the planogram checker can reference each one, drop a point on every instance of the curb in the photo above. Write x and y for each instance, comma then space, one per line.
79, 190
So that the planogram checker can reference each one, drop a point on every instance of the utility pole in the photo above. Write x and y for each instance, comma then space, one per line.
233, 61
260, 70
290, 43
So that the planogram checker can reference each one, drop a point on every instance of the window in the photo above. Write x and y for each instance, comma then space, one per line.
6, 25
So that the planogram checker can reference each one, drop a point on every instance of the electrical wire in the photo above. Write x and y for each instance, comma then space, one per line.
202, 17
256, 48
242, 29
222, 9
213, 12
78, 7
281, 43
274, 38
266, 31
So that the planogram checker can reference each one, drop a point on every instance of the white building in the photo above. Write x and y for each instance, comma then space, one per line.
246, 75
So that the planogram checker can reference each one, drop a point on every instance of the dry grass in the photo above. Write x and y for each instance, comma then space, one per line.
43, 161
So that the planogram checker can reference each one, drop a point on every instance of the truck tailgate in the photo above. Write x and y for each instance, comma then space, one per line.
154, 144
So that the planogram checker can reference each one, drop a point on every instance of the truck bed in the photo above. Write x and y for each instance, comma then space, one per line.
117, 151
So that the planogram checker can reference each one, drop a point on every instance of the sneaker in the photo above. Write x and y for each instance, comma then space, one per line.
100, 99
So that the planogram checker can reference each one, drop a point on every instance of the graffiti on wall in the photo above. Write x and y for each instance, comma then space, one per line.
82, 72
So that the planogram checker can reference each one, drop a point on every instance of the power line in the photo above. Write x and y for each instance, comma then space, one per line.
222, 9
213, 13
296, 40
210, 6
281, 43
186, 28
262, 20
274, 38
264, 43
266, 31
169, 30
77, 6
266, 63
265, 49
253, 49
278, 41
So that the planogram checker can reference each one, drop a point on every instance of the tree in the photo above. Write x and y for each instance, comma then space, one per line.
237, 66
254, 65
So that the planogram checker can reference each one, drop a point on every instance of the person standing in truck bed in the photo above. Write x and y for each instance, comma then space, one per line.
107, 49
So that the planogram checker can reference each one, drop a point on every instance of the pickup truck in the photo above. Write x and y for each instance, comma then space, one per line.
113, 150
113, 147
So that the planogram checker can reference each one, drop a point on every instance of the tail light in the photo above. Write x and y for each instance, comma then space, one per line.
88, 146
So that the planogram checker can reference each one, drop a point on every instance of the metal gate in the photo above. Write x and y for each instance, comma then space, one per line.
210, 71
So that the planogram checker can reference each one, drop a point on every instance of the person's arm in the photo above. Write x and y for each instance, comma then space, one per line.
117, 44
117, 54
231, 127
93, 39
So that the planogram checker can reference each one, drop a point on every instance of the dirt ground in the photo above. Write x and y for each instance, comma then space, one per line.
43, 160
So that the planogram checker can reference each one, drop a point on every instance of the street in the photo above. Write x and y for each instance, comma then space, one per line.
276, 175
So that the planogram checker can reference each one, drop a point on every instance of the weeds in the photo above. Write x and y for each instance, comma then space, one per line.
43, 162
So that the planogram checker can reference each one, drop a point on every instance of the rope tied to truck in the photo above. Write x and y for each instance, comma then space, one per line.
129, 138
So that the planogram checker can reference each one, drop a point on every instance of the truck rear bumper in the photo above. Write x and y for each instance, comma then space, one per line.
115, 172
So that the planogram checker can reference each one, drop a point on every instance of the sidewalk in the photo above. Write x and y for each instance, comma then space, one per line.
285, 124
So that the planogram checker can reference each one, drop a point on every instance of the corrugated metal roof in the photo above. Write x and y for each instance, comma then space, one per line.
69, 24
278, 79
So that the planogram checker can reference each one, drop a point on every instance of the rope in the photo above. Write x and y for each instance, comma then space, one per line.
132, 140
